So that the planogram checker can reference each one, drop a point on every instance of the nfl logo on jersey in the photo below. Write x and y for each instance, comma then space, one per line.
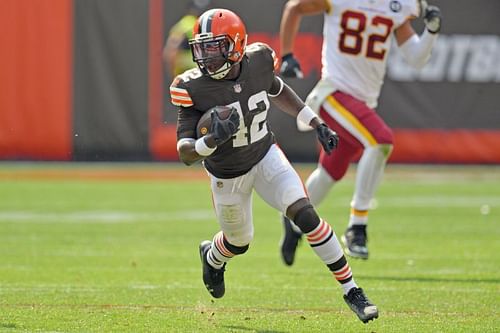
237, 88
395, 6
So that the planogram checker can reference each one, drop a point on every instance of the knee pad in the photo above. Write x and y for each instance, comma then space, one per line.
235, 224
306, 219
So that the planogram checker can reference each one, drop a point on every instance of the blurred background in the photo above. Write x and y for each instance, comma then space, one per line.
84, 80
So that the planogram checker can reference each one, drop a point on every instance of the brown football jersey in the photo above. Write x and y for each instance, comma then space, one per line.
195, 93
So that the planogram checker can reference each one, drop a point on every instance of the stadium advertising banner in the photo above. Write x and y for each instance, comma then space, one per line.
84, 80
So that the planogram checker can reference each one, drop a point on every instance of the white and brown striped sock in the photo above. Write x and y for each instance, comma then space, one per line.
219, 254
326, 245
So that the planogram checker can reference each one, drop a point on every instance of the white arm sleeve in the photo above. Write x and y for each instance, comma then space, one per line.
417, 50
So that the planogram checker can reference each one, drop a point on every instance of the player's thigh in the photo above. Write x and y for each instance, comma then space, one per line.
232, 200
354, 122
337, 163
277, 182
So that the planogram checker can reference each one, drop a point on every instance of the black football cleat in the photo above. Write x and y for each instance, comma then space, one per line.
359, 303
289, 242
355, 239
212, 277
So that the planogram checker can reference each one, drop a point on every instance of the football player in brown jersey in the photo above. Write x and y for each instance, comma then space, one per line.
240, 153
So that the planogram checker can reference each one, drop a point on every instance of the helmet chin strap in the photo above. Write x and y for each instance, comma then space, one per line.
221, 72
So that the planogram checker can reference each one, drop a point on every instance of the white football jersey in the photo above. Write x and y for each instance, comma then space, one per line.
357, 37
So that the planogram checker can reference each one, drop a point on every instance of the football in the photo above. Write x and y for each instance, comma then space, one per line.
204, 123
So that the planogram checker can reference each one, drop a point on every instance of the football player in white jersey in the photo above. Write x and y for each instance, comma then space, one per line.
356, 42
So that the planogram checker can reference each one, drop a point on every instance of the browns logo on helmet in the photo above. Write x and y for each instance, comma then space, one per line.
219, 42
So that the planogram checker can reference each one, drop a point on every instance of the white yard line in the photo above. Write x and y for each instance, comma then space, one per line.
111, 217
108, 217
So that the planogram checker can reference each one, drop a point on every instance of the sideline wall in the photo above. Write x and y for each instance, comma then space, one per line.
83, 80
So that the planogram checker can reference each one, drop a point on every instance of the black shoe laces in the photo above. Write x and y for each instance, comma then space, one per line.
217, 275
358, 236
357, 296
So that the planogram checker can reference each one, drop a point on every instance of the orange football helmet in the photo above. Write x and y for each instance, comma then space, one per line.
219, 42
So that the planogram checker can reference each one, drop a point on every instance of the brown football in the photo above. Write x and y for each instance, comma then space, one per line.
205, 121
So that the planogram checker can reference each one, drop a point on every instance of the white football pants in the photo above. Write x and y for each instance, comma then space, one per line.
275, 181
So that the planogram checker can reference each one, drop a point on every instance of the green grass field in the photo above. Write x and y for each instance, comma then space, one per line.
86, 254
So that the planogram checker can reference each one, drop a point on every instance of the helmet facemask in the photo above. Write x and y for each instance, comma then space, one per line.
213, 54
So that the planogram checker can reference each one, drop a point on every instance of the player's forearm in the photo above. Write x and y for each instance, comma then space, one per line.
288, 101
191, 151
170, 53
290, 22
292, 15
315, 122
187, 152
417, 50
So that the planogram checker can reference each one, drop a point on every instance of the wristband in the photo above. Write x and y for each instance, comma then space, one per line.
306, 115
202, 149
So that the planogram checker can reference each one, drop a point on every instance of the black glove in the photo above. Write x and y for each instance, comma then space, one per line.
290, 67
223, 129
432, 19
328, 138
